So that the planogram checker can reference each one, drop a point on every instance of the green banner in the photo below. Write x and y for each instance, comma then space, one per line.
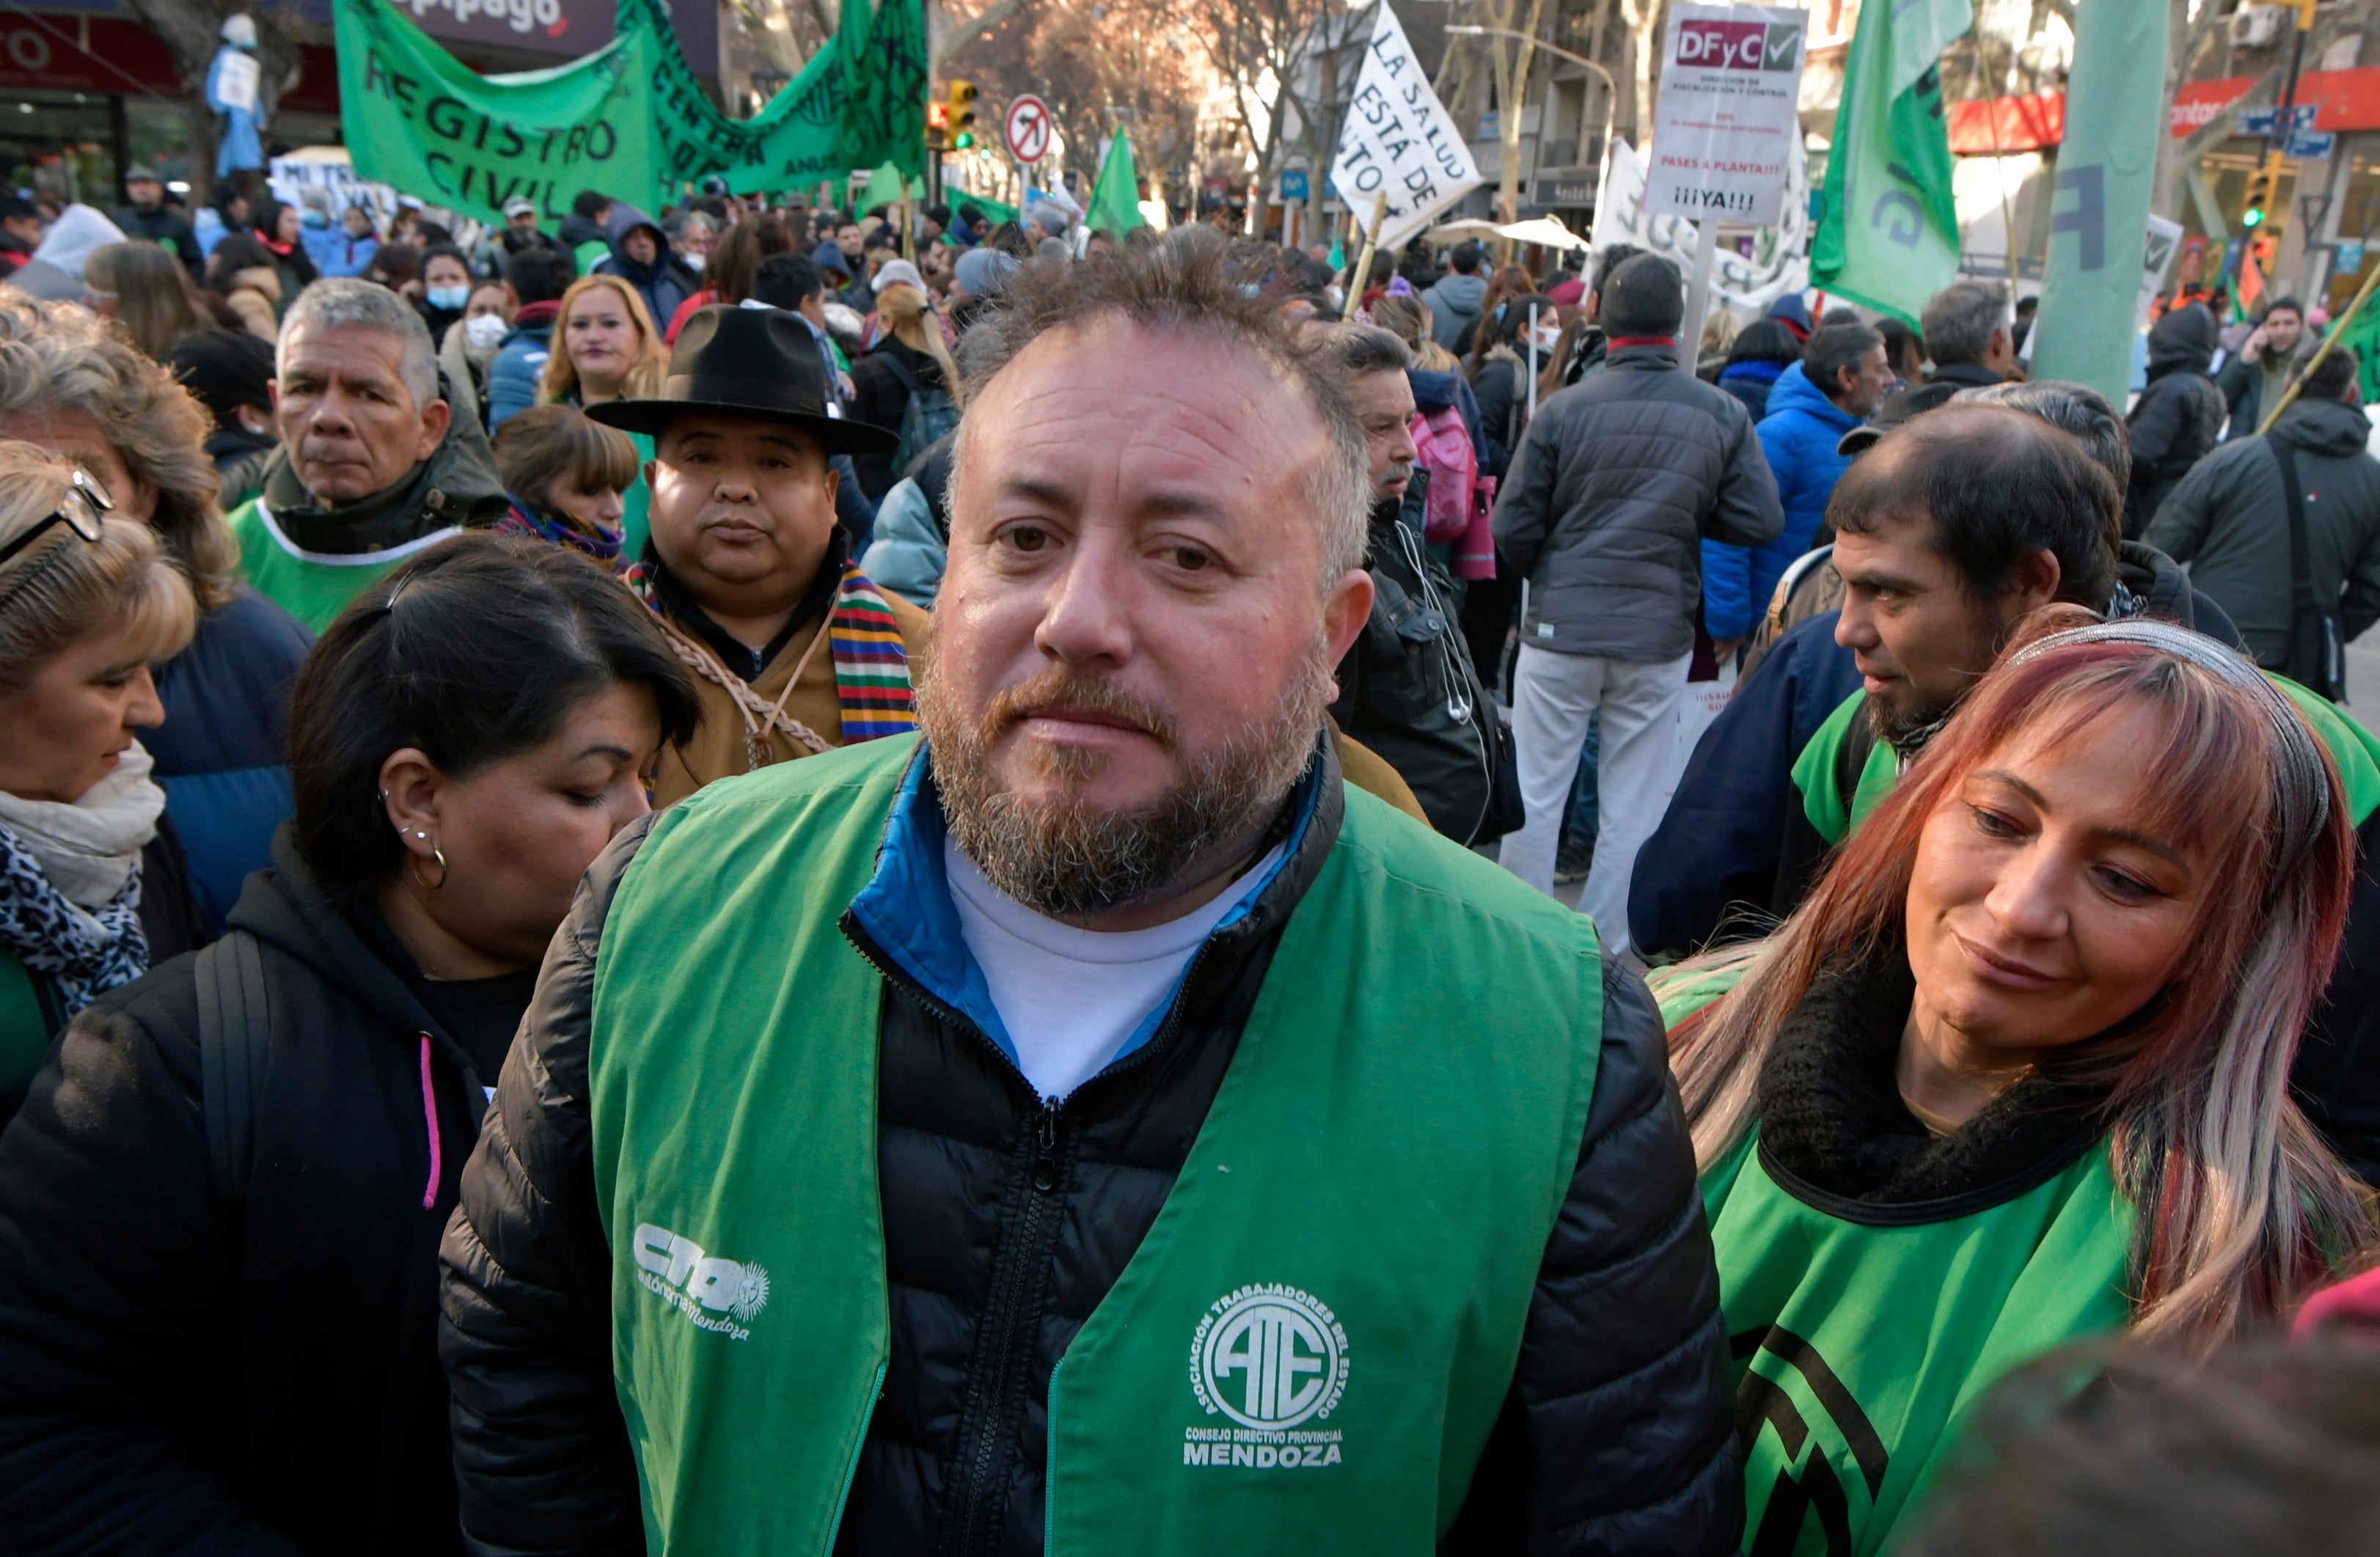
1115, 199
2099, 221
1888, 230
628, 121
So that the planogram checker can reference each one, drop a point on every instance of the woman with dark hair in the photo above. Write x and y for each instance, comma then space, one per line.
2016, 1073
218, 1271
565, 474
1497, 369
1761, 352
1904, 352
281, 228
243, 273
446, 289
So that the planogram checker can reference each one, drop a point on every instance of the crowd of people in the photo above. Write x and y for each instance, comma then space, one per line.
706, 885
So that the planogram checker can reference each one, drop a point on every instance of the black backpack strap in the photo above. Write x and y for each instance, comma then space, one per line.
2314, 643
234, 1028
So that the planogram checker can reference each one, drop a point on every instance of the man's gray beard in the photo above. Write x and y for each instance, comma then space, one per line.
1065, 857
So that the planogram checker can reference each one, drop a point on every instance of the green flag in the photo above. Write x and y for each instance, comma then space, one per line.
883, 62
420, 120
2098, 225
1115, 199
1888, 230
884, 186
628, 121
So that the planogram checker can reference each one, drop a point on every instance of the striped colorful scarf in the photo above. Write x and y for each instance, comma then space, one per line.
872, 663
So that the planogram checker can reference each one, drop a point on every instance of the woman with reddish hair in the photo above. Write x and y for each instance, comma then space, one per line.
2017, 1072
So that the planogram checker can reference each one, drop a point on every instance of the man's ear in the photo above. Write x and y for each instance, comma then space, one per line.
435, 419
1346, 610
2034, 583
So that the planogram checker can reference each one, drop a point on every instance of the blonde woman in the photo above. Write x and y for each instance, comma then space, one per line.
93, 887
2017, 1072
1408, 319
906, 384
605, 348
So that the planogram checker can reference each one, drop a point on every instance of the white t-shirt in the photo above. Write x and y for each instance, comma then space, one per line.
1070, 998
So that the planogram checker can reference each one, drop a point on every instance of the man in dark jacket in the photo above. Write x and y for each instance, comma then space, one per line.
2272, 354
2178, 416
642, 257
151, 216
538, 277
1418, 1311
1618, 483
1454, 301
2229, 519
1969, 333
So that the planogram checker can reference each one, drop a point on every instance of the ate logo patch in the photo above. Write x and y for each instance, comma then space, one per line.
1273, 1360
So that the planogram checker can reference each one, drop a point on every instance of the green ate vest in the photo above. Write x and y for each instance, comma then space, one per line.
1308, 1348
314, 587
2353, 748
1861, 1338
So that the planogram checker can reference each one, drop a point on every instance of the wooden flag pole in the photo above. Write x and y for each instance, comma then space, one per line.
1363, 262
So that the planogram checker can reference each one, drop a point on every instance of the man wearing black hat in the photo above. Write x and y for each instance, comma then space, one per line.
747, 568
150, 217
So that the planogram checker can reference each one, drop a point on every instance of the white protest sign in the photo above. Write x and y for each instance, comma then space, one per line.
1779, 263
2157, 259
236, 78
1725, 127
1399, 142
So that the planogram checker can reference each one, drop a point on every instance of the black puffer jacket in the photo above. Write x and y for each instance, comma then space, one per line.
2178, 416
1616, 485
1006, 1223
187, 1369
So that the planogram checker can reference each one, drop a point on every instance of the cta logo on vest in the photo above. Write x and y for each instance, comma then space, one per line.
711, 1292
1271, 1358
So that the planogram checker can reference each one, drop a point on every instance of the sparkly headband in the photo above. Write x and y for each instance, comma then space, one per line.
2302, 774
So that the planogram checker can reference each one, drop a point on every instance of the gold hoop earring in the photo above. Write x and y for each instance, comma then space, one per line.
413, 863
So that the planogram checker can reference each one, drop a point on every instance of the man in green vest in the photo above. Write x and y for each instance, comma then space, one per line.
1095, 1125
373, 464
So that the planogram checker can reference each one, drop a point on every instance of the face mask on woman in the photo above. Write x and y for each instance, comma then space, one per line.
1548, 336
485, 331
451, 299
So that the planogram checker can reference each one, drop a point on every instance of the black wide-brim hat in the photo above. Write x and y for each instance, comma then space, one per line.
749, 362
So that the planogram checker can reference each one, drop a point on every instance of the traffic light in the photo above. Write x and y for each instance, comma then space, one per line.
960, 114
938, 127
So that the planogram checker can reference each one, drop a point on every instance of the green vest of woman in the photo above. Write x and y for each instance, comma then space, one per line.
2016, 1073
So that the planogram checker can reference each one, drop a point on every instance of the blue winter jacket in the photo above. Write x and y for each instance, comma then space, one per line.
511, 377
1736, 832
222, 753
1798, 435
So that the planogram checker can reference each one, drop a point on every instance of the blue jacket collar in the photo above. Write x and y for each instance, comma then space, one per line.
907, 909
1795, 391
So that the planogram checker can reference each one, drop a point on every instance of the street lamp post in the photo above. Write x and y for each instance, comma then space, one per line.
1610, 87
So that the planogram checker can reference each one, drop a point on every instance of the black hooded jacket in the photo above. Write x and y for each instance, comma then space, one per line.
2178, 416
189, 1368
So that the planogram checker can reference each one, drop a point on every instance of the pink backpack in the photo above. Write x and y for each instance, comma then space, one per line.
1454, 466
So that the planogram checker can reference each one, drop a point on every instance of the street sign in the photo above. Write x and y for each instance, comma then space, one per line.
2312, 145
1293, 186
1026, 128
2260, 121
2351, 256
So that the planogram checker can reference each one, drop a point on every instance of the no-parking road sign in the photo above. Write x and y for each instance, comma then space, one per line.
1027, 129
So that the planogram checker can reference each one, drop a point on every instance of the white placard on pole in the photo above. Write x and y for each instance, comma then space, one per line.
1727, 123
1400, 141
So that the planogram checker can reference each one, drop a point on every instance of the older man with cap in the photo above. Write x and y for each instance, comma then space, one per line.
887, 1131
148, 216
374, 465
745, 567
521, 229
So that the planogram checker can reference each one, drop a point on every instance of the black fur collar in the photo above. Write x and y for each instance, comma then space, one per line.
1831, 1115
